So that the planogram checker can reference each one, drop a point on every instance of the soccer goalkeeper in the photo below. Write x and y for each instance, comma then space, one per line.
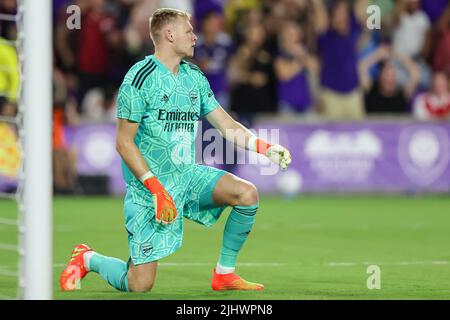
160, 102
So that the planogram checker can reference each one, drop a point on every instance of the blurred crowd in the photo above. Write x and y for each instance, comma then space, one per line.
273, 56
305, 57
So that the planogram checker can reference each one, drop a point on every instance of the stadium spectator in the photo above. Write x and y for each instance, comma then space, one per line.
64, 158
204, 7
8, 29
9, 86
99, 105
339, 33
307, 22
294, 66
334, 35
122, 11
97, 28
434, 104
9, 90
434, 9
253, 16
67, 41
289, 10
119, 58
274, 13
136, 30
212, 52
10, 157
9, 78
235, 13
58, 7
385, 95
411, 27
250, 74
440, 51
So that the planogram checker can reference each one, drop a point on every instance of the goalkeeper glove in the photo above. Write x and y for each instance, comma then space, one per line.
165, 210
276, 153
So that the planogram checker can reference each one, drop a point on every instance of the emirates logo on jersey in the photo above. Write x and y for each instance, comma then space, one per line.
178, 120
177, 115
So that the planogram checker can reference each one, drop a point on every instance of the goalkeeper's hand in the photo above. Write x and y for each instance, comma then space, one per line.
165, 210
276, 153
279, 155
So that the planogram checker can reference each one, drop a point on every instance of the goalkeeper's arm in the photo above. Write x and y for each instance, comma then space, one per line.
236, 133
165, 210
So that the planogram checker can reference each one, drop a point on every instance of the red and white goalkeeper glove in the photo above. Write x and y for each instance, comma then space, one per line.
276, 153
165, 210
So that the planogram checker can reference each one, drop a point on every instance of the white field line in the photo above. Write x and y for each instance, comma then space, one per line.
8, 273
399, 263
329, 264
202, 264
9, 222
9, 247
66, 228
59, 227
7, 270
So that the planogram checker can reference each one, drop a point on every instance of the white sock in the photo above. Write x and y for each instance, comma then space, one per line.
87, 259
223, 270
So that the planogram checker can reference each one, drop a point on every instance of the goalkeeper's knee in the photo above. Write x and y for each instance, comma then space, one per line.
248, 195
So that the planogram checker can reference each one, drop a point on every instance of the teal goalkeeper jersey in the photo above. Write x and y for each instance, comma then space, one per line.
168, 108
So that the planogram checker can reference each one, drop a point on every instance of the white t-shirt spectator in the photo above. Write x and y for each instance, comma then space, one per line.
428, 106
95, 108
409, 36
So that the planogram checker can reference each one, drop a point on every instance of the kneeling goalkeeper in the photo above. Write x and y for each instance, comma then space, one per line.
160, 102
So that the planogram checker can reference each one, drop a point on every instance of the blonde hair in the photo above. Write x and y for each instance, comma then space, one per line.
162, 17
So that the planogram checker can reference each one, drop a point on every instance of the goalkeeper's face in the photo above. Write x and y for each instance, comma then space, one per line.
185, 38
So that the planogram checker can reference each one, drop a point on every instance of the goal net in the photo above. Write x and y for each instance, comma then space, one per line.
25, 152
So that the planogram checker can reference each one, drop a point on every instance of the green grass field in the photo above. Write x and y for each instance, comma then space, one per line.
306, 248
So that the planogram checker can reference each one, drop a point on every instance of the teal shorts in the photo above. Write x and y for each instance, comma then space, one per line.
150, 241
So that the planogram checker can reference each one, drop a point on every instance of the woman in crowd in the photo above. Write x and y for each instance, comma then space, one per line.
434, 104
385, 95
294, 67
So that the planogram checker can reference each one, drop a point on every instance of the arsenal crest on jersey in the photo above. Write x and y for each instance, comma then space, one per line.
194, 97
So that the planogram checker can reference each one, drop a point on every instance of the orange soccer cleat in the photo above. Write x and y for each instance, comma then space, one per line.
232, 281
75, 271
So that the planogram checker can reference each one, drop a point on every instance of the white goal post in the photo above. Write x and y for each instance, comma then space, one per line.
37, 197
